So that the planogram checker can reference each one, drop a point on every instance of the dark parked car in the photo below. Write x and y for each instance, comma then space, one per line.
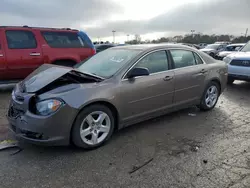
113, 89
101, 47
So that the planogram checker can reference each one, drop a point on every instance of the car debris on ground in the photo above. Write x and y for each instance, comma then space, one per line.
10, 144
135, 168
192, 114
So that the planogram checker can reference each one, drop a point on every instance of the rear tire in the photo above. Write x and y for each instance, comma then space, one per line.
93, 127
230, 80
210, 96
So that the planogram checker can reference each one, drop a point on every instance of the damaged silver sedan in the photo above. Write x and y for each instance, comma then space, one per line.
120, 86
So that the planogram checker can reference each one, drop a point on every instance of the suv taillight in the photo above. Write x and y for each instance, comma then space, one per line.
93, 51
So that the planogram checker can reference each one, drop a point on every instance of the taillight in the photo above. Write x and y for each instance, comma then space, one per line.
93, 51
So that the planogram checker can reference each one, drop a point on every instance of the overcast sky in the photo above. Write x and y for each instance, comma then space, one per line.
149, 18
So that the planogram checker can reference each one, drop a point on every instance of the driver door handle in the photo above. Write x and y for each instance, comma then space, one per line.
167, 78
35, 54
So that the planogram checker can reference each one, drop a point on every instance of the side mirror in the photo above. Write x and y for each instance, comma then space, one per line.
138, 72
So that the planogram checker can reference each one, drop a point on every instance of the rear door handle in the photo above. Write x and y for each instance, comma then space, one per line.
167, 78
35, 54
1, 55
203, 71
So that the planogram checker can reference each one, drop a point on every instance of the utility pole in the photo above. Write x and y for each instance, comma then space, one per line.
192, 31
246, 32
113, 36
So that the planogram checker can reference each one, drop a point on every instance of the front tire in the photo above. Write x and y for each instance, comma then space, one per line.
210, 96
93, 127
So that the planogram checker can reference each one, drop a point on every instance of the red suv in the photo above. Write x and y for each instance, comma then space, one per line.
23, 49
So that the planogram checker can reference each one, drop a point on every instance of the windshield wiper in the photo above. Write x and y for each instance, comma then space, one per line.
88, 75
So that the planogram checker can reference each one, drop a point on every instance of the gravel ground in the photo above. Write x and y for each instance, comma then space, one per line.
187, 149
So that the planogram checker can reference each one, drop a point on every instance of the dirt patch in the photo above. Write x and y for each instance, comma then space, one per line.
4, 132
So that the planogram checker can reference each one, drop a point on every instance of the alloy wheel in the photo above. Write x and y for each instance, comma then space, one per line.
211, 96
95, 128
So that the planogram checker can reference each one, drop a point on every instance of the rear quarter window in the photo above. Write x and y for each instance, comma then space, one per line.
63, 39
207, 58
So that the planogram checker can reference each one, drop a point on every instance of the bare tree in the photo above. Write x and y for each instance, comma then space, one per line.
137, 38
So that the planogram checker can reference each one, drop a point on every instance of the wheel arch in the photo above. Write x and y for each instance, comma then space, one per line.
216, 80
101, 102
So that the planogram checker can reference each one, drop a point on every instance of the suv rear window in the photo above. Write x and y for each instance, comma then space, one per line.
63, 39
18, 39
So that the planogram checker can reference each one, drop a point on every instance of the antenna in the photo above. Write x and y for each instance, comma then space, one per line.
246, 32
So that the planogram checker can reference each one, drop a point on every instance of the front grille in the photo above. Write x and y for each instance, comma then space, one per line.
243, 63
32, 135
14, 113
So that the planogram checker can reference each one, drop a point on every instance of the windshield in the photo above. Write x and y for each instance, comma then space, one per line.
212, 46
108, 62
233, 48
246, 48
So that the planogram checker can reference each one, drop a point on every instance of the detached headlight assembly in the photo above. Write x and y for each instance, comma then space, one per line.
48, 107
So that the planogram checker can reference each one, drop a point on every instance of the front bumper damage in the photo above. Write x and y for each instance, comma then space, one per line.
44, 130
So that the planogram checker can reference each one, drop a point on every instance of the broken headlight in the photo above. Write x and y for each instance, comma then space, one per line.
48, 107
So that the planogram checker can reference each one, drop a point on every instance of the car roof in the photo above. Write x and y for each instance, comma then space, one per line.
216, 44
237, 44
39, 28
221, 42
145, 47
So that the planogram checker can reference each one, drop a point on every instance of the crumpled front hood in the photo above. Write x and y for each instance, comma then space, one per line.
43, 76
240, 55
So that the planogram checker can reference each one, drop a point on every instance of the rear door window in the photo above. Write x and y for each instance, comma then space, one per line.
63, 39
198, 59
20, 39
183, 58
